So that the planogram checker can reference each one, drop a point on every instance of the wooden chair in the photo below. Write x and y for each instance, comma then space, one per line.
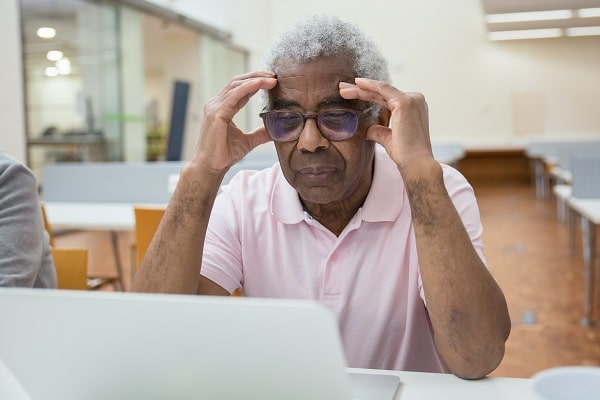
92, 282
71, 268
147, 220
47, 225
146, 223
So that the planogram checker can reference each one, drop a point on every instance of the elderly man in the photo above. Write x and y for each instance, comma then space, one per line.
357, 214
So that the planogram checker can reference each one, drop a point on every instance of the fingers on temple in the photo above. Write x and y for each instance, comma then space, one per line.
238, 92
250, 85
386, 94
254, 74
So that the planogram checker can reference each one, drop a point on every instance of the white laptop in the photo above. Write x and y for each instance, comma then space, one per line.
77, 345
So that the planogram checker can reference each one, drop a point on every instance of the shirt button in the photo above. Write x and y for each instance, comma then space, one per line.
333, 257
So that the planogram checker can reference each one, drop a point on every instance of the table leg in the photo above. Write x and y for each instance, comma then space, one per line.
572, 221
115, 243
588, 238
540, 184
561, 210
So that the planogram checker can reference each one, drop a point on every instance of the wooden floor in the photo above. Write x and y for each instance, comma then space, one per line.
527, 252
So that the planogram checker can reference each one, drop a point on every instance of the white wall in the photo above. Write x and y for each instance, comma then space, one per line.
12, 128
481, 93
484, 94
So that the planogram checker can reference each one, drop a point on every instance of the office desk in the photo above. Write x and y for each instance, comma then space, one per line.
414, 386
589, 210
91, 216
110, 217
88, 147
546, 155
429, 386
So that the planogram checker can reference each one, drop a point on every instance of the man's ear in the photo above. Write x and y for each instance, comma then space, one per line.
384, 116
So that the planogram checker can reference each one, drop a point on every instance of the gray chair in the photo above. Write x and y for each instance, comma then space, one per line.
585, 176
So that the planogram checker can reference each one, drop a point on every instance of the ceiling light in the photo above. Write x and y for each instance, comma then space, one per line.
63, 66
525, 34
46, 32
583, 31
588, 12
51, 71
54, 55
528, 16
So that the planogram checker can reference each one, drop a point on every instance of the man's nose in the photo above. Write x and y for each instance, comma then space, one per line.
311, 139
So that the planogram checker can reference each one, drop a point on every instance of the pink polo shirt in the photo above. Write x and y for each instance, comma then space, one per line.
262, 241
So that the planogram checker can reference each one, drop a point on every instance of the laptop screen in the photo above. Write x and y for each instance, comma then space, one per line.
74, 345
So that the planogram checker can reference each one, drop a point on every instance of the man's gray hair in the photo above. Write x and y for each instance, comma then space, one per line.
326, 35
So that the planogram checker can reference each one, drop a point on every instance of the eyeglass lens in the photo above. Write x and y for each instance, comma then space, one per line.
288, 125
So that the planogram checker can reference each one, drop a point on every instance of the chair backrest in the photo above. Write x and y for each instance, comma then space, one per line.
147, 220
586, 176
146, 223
71, 268
47, 226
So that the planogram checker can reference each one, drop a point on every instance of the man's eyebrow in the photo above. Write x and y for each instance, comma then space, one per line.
328, 102
335, 101
279, 104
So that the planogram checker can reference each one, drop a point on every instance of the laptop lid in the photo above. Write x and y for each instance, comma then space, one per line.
74, 345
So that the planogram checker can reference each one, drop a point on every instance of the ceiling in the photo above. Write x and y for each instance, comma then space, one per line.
511, 6
66, 9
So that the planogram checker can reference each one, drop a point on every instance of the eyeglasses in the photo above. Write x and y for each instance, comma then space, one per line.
334, 124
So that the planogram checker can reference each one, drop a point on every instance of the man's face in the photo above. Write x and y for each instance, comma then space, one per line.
322, 171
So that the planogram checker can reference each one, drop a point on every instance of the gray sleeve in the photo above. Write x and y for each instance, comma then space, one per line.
25, 257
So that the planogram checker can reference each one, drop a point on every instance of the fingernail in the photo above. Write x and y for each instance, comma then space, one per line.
345, 85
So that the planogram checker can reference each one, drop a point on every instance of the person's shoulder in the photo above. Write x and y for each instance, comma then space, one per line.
11, 166
18, 184
7, 160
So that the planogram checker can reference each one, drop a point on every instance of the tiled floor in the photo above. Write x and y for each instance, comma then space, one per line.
527, 252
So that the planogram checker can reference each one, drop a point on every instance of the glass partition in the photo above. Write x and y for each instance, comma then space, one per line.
99, 79
72, 87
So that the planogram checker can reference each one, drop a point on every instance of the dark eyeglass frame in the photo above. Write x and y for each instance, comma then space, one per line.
317, 116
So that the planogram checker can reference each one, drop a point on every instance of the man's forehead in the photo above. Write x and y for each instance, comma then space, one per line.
338, 65
318, 79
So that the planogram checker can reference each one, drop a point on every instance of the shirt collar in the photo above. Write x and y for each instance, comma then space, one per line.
386, 196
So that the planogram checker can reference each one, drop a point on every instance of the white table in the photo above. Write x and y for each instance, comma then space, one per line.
430, 386
110, 217
91, 216
414, 386
589, 210
545, 154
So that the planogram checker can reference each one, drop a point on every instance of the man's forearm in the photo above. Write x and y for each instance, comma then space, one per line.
172, 262
467, 308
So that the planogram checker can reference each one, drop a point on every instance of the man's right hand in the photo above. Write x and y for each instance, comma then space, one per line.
173, 259
221, 143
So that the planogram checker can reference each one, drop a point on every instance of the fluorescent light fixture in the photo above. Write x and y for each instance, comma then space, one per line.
54, 55
528, 16
63, 66
51, 71
583, 31
525, 34
46, 32
588, 12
